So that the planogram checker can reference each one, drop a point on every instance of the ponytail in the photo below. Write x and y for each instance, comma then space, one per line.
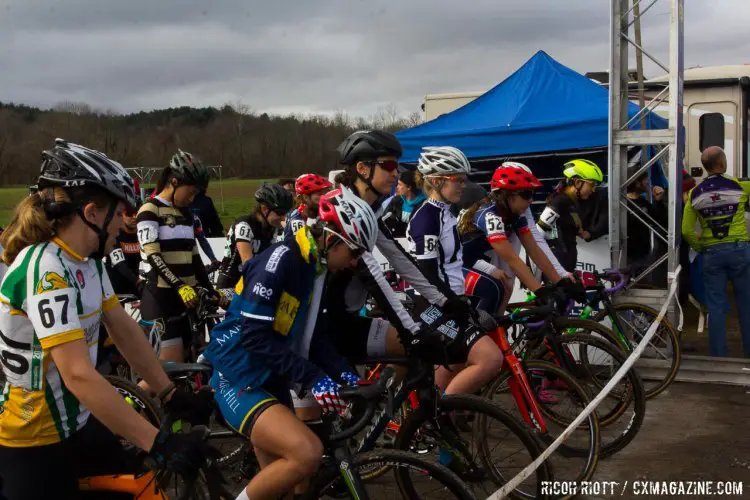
466, 223
33, 224
347, 178
29, 226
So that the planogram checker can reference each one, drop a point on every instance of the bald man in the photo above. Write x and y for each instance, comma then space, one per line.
718, 204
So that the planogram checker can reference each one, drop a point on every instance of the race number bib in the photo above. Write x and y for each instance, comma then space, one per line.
495, 225
116, 257
549, 216
148, 232
297, 224
243, 232
53, 312
431, 244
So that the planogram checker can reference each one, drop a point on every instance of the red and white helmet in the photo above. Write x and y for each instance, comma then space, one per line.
513, 179
311, 183
352, 217
516, 164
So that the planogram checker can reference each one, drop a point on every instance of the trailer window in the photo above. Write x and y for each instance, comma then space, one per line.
711, 130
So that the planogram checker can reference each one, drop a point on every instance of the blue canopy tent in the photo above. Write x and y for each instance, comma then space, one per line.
542, 107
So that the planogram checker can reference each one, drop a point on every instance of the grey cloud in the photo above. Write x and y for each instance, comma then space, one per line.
315, 56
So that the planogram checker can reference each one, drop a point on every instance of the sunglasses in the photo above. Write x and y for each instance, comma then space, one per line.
457, 178
387, 165
526, 195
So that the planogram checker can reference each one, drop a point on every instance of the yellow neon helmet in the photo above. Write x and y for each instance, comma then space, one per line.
584, 169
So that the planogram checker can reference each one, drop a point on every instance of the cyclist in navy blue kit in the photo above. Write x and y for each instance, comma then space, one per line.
434, 241
273, 340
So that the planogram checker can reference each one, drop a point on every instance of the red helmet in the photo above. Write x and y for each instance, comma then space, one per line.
311, 183
513, 179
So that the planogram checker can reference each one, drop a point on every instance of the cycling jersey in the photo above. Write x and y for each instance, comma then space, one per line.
490, 225
718, 204
49, 296
541, 243
562, 224
352, 287
295, 220
123, 263
434, 242
169, 254
273, 325
247, 229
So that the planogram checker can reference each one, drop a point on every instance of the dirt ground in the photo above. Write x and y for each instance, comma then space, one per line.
691, 432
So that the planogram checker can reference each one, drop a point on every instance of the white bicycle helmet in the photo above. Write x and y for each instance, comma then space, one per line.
349, 217
517, 164
442, 160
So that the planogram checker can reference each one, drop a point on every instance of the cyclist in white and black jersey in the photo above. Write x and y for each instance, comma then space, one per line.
253, 233
371, 161
434, 241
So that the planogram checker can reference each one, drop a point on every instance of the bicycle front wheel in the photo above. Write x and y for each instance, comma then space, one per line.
560, 399
663, 351
485, 445
415, 479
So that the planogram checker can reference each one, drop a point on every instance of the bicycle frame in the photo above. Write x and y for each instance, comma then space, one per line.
142, 487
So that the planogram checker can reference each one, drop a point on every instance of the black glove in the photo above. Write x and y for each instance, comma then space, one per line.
195, 408
183, 454
573, 289
459, 308
551, 294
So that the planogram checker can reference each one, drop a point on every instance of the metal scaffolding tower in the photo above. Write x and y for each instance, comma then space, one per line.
667, 145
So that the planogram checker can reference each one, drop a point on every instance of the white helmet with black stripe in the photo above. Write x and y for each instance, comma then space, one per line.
442, 160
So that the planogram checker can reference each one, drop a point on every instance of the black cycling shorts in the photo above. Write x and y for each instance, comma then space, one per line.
165, 308
357, 337
52, 471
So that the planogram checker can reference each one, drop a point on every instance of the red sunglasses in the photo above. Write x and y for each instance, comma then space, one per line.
387, 165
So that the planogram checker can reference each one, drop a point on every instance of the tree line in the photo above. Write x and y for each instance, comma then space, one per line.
247, 144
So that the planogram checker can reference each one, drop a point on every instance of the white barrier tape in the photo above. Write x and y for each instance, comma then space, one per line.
529, 470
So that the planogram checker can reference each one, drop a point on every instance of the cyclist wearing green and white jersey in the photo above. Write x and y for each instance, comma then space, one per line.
53, 298
718, 204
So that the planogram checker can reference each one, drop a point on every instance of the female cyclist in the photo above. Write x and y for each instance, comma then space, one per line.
488, 224
371, 163
52, 301
274, 338
172, 264
309, 188
123, 262
433, 240
253, 233
559, 220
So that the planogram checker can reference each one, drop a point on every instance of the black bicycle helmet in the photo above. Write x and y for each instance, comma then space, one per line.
72, 165
368, 145
275, 197
189, 169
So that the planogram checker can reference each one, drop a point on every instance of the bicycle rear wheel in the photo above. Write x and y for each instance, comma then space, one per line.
594, 362
576, 458
415, 479
663, 349
137, 398
487, 448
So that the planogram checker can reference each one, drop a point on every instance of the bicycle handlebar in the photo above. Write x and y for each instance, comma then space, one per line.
619, 278
370, 393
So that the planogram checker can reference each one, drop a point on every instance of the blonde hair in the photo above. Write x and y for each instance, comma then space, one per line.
31, 224
424, 183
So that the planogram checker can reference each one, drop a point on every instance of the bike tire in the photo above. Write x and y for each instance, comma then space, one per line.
414, 422
666, 333
329, 484
634, 392
138, 399
590, 453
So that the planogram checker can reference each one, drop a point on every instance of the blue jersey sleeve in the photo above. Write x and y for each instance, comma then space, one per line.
490, 223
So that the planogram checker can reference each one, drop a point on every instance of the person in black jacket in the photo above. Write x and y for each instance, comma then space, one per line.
203, 208
594, 214
640, 253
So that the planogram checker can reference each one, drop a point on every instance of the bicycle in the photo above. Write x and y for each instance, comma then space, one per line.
151, 484
576, 354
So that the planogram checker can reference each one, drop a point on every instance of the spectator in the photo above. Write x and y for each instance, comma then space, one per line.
718, 204
407, 200
688, 183
594, 214
640, 253
203, 208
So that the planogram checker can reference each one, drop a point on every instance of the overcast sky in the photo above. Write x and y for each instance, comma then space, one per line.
286, 56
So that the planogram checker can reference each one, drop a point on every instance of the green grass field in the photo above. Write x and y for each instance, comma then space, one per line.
237, 195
